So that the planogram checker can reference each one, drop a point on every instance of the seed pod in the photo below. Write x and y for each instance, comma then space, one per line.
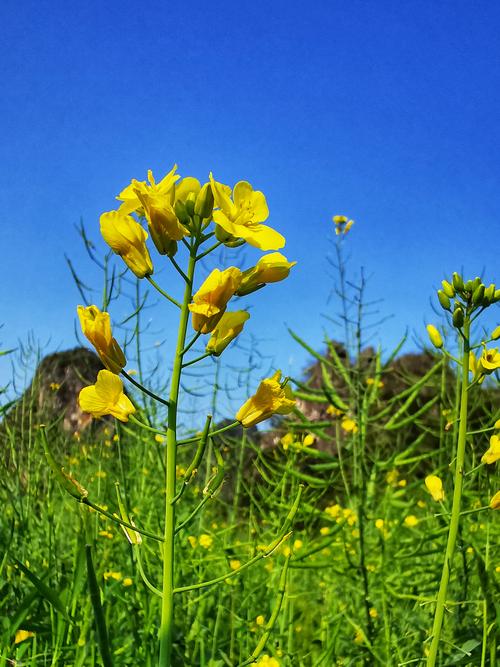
458, 282
458, 317
444, 300
448, 289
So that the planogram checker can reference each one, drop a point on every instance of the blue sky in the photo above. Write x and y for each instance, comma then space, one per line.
383, 111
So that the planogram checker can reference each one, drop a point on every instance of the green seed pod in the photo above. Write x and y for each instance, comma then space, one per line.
458, 282
204, 202
458, 317
477, 297
444, 300
448, 289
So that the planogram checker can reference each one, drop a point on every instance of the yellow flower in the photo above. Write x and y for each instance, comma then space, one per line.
493, 453
333, 511
234, 564
269, 269
333, 411
342, 224
349, 425
373, 612
54, 386
229, 326
298, 544
96, 327
359, 637
260, 620
489, 361
106, 397
210, 301
267, 661
117, 576
434, 336
379, 524
435, 487
272, 397
392, 477
371, 381
206, 541
129, 195
287, 440
127, 238
21, 635
106, 533
324, 530
309, 440
127, 582
241, 216
410, 521
193, 541
495, 501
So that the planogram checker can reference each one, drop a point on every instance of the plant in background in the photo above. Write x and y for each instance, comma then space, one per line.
179, 213
465, 301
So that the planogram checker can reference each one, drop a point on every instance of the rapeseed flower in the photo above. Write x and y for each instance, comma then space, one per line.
241, 216
96, 327
206, 541
342, 224
210, 301
493, 453
495, 501
230, 325
272, 397
267, 661
127, 238
21, 635
106, 397
129, 196
269, 269
435, 487
489, 361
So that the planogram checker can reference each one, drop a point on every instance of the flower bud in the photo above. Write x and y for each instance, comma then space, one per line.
496, 333
496, 296
444, 300
458, 317
458, 282
434, 336
181, 212
477, 297
204, 203
448, 289
489, 294
468, 286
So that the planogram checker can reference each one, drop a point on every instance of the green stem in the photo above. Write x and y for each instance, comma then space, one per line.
455, 510
165, 294
167, 608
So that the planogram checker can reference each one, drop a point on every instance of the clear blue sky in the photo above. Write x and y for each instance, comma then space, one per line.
385, 111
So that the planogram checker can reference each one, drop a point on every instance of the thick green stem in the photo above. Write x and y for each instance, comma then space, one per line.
457, 499
167, 608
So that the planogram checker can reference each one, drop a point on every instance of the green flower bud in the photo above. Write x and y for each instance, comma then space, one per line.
489, 294
448, 289
458, 317
475, 283
434, 336
496, 296
444, 300
477, 297
189, 204
496, 333
468, 286
204, 202
458, 282
181, 213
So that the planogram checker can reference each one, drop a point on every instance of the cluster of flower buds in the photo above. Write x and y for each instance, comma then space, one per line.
468, 296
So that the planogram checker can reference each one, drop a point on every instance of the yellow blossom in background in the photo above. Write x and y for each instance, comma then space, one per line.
127, 581
392, 477
324, 530
54, 386
359, 636
229, 326
106, 397
193, 541
21, 635
206, 541
411, 521
101, 474
96, 327
489, 361
349, 425
333, 511
127, 238
298, 544
117, 576
493, 453
210, 301
269, 269
260, 620
371, 382
159, 438
342, 224
267, 661
235, 564
241, 216
495, 501
333, 411
309, 440
272, 397
379, 524
373, 612
287, 440
129, 195
435, 487
106, 533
